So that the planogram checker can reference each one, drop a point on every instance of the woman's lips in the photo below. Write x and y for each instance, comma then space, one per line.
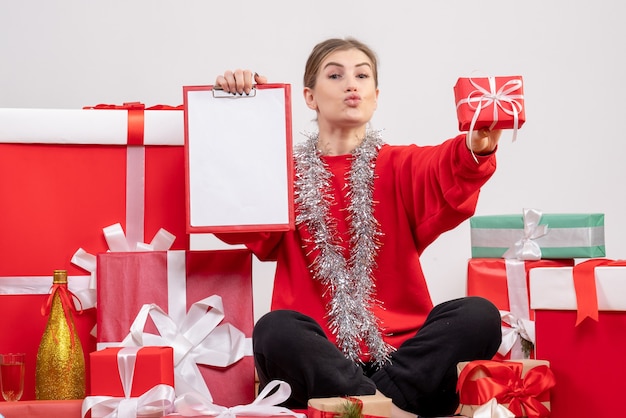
352, 100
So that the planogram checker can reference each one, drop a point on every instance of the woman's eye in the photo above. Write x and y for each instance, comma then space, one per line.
334, 76
363, 76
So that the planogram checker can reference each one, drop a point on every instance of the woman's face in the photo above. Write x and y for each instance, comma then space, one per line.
345, 92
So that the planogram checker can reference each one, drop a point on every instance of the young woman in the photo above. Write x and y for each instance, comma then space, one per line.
351, 313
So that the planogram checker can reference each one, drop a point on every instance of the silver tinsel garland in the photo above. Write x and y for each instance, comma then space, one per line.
350, 282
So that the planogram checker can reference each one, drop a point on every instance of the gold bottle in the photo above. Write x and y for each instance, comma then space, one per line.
60, 369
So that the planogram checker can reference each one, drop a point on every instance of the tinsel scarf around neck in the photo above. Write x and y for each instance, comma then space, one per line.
350, 281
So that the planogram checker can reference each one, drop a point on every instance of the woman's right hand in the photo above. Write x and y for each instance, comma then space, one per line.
239, 81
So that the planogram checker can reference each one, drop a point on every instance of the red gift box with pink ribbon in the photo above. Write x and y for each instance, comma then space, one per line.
522, 386
505, 283
198, 302
580, 315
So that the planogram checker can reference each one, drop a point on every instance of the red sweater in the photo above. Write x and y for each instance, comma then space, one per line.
420, 192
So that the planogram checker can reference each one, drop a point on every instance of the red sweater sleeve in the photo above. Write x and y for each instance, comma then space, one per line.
264, 245
440, 186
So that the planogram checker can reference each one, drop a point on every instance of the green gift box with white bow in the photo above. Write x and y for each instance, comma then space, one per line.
533, 235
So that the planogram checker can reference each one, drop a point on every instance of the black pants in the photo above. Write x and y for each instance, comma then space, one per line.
421, 377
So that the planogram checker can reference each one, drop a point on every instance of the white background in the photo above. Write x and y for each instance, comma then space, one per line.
569, 156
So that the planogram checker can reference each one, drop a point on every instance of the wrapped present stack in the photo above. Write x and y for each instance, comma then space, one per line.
199, 302
68, 174
101, 192
507, 250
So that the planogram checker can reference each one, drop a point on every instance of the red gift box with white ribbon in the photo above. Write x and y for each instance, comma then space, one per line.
131, 381
198, 302
490, 102
150, 366
69, 173
580, 315
505, 283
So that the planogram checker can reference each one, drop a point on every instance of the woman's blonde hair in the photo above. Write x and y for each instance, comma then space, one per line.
325, 48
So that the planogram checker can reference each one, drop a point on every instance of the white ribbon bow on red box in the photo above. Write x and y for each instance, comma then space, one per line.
198, 339
159, 399
193, 404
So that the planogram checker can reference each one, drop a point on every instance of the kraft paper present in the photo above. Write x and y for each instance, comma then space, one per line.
376, 405
587, 359
522, 386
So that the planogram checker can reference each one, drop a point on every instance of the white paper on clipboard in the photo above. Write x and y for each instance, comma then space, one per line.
239, 159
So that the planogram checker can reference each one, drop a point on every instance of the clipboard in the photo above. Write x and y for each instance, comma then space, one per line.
238, 159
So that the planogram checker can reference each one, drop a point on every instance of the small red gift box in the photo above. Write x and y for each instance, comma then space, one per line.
69, 173
201, 297
152, 366
490, 102
505, 283
587, 359
522, 386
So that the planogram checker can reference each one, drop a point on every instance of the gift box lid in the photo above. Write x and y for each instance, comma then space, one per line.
553, 288
89, 126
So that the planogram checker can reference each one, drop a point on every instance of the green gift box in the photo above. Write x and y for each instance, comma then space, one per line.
533, 235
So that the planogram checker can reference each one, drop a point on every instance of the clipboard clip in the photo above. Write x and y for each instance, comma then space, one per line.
219, 93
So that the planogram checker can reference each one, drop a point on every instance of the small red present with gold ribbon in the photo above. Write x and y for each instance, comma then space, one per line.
523, 386
370, 406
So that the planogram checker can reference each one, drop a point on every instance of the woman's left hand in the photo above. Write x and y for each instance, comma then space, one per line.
485, 140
